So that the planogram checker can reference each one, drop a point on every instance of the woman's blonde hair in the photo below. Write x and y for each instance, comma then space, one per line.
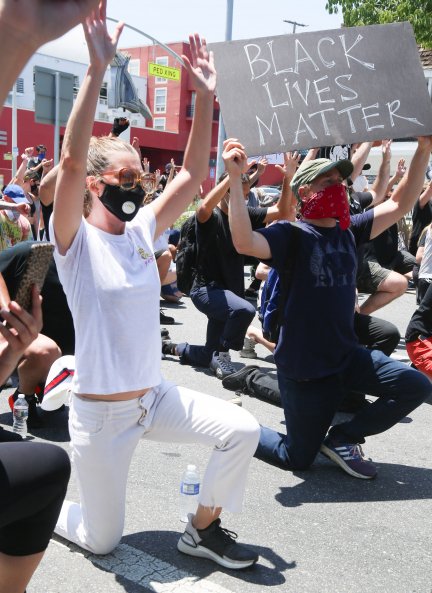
100, 157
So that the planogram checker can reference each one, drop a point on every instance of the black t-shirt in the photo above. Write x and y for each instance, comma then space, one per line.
421, 217
57, 319
359, 201
384, 248
421, 322
220, 262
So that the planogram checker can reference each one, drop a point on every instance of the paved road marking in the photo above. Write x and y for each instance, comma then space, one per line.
153, 573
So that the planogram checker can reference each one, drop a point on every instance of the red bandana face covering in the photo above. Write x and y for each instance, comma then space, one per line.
331, 202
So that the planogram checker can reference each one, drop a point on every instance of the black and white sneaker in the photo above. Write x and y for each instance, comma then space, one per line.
217, 544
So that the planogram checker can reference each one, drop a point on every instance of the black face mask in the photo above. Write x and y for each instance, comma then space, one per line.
123, 203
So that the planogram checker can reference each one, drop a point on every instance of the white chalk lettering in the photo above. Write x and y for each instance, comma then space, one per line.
324, 90
307, 57
288, 90
296, 86
272, 104
303, 130
348, 110
346, 88
366, 117
275, 70
368, 65
331, 64
256, 60
269, 129
323, 118
393, 107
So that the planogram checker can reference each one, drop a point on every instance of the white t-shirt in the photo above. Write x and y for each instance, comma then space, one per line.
112, 288
426, 263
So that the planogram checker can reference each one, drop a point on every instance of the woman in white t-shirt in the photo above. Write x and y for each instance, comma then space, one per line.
106, 264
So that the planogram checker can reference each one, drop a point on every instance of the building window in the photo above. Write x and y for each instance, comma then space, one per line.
103, 94
159, 123
161, 61
76, 86
134, 67
20, 85
160, 100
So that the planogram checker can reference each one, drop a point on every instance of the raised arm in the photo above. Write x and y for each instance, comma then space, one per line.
261, 167
286, 206
311, 154
379, 188
181, 191
244, 238
21, 171
359, 158
399, 173
72, 172
426, 196
212, 199
48, 185
25, 25
403, 198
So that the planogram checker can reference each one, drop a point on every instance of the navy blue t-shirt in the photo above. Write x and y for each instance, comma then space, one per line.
318, 335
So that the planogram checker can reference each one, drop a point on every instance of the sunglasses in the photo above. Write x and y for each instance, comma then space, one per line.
128, 179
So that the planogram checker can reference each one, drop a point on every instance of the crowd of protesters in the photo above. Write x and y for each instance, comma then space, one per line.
345, 239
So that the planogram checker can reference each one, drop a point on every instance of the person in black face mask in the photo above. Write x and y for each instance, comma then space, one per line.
121, 201
108, 269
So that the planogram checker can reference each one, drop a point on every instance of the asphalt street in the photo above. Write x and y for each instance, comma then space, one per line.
316, 531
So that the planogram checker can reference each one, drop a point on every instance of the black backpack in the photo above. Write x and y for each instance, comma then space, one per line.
187, 255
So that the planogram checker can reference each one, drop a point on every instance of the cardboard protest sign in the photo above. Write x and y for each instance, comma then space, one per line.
323, 88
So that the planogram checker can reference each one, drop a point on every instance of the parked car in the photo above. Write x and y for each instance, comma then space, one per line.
273, 190
271, 194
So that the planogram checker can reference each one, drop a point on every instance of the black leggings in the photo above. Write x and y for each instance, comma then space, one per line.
33, 483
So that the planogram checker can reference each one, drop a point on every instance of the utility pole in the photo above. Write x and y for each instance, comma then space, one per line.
221, 133
294, 24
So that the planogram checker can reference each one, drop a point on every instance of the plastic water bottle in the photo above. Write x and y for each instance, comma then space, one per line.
189, 492
20, 415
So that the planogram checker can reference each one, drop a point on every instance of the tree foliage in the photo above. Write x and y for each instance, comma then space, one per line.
372, 12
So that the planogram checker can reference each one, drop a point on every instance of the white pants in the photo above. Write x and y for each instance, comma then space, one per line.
104, 436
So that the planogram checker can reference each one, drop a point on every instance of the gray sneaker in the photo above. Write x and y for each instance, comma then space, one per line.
248, 350
221, 364
217, 544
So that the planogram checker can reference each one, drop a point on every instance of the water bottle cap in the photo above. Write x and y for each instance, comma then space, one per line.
191, 467
21, 396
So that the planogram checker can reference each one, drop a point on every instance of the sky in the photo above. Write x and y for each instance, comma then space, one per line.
173, 20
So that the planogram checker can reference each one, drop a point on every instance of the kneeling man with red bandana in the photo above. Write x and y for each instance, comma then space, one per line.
318, 357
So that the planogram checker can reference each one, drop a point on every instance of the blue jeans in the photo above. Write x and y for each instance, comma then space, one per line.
228, 315
309, 407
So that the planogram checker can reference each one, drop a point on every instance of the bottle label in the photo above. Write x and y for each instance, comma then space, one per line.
189, 489
20, 414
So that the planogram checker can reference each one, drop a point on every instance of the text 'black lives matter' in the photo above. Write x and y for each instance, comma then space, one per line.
323, 88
